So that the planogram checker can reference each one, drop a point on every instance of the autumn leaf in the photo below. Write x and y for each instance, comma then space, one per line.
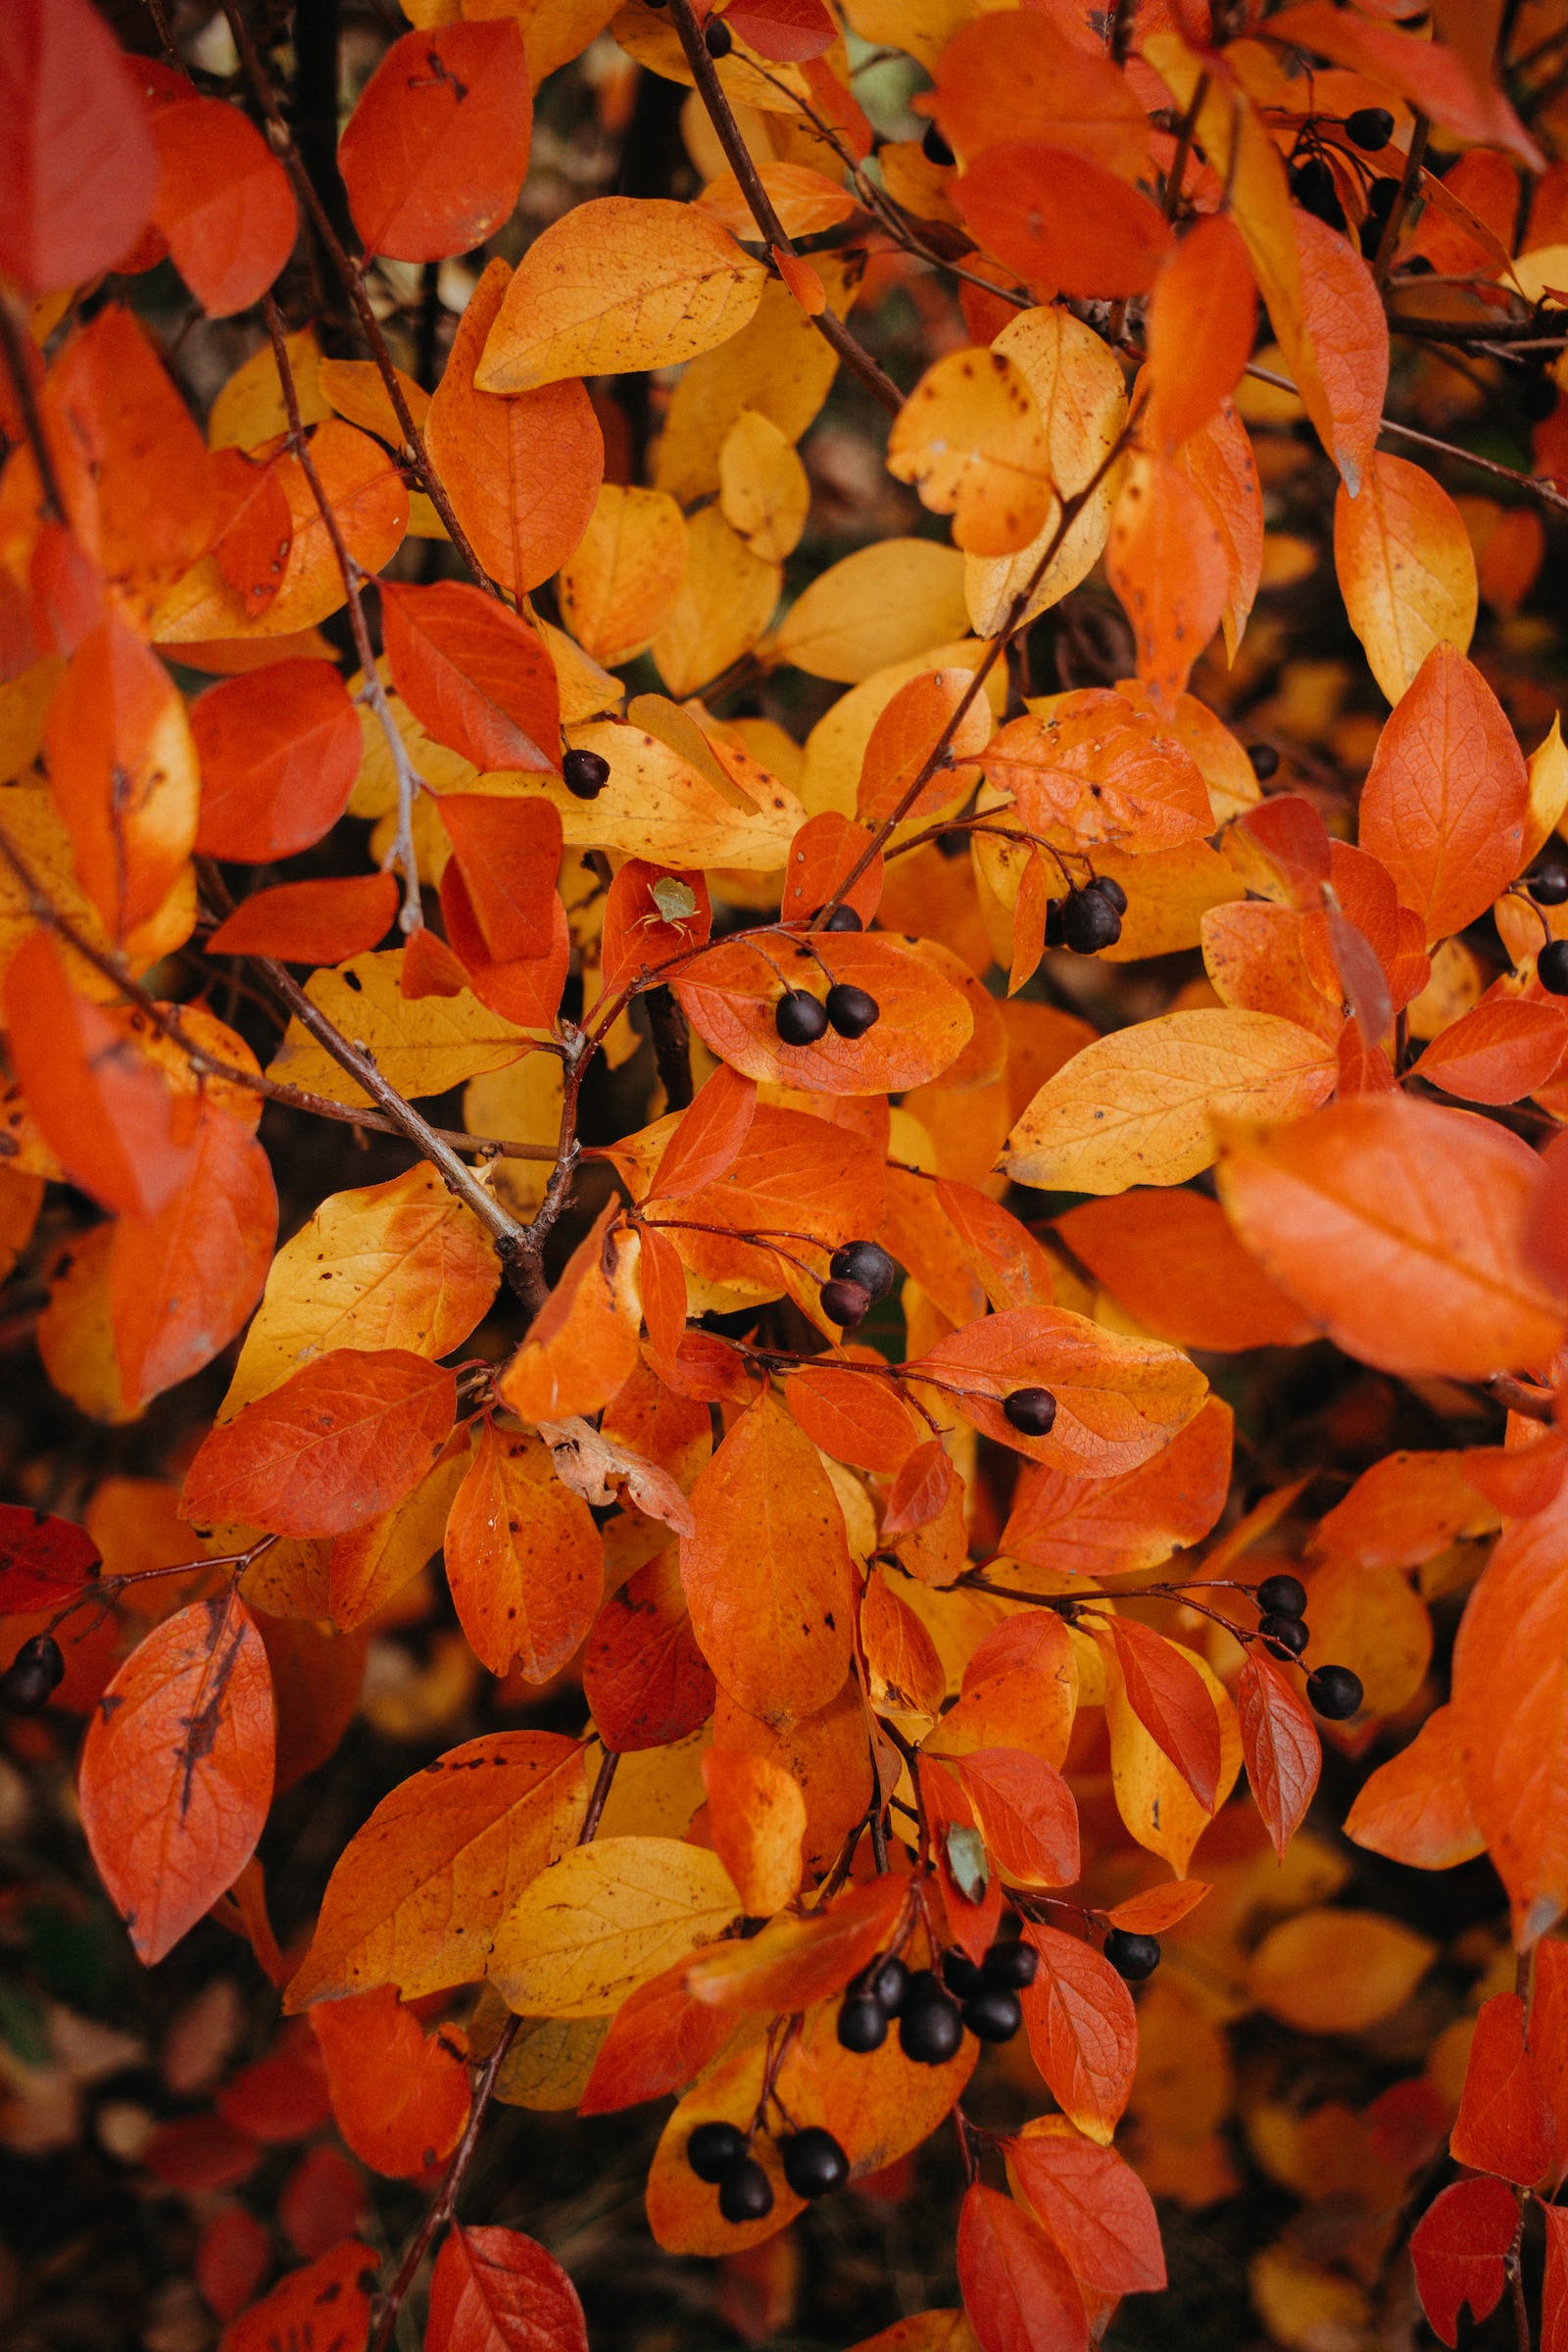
495, 2291
604, 1920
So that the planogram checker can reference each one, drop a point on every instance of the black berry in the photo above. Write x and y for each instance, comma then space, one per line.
1550, 887
1265, 760
747, 2193
890, 1984
1089, 923
994, 2013
1111, 890
1551, 967
1537, 398
960, 1974
934, 147
931, 2027
1031, 1412
584, 774
845, 1302
1369, 127
1133, 1957
864, 1262
1334, 1692
1282, 1596
1312, 186
1286, 1636
844, 918
1011, 1964
34, 1671
815, 2164
862, 2023
714, 2150
850, 1010
718, 41
799, 1018
1056, 937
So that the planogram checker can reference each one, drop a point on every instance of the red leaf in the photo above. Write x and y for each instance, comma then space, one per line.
1170, 1699
1444, 802
787, 30
643, 1675
435, 152
495, 2291
824, 850
1025, 1812
176, 1774
400, 2095
1554, 2285
660, 2040
1504, 2123
323, 2308
707, 1137
1458, 2247
323, 2197
311, 922
1093, 2205
233, 2258
1017, 2289
279, 750
1158, 1907
224, 201
637, 934
509, 854
1083, 2031
475, 676
1279, 1745
42, 1559
344, 1439
1066, 225
80, 162
922, 1483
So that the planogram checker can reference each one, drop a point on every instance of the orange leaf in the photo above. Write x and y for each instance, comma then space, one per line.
1166, 560
509, 854
1280, 1745
400, 2097
1118, 1400
1025, 1812
525, 1559
755, 1819
637, 933
1093, 2205
1446, 795
1018, 2288
1433, 78
82, 167
583, 1342
1502, 1050
1202, 321
906, 734
797, 1961
522, 474
643, 1676
309, 922
100, 1099
707, 1137
1406, 569
435, 151
324, 2308
279, 750
1170, 1699
495, 2291
1091, 767
1172, 1260
1158, 1907
224, 201
177, 1773
1063, 222
767, 1573
1340, 1211
730, 991
1083, 2031
1028, 78
854, 1416
1504, 2123
122, 769
661, 2038
1414, 1808
1346, 333
474, 674
344, 1439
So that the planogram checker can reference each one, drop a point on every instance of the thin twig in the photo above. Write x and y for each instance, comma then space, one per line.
1409, 180
17, 343
444, 2202
710, 90
353, 282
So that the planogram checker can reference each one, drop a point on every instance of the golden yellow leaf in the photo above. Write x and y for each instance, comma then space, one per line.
656, 806
1337, 1971
605, 1918
1152, 1798
764, 492
881, 604
622, 281
1139, 1107
250, 409
1082, 400
724, 602
616, 590
777, 366
422, 1044
972, 441
1406, 569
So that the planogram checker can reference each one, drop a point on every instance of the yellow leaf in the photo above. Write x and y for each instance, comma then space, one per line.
1082, 400
1406, 569
879, 605
724, 602
616, 590
604, 1920
622, 281
1139, 1107
422, 1044
971, 439
1152, 1798
1337, 1971
370, 1566
520, 1104
763, 490
402, 1264
250, 409
656, 806
778, 365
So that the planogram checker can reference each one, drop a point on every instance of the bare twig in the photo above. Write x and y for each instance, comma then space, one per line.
443, 2203
710, 90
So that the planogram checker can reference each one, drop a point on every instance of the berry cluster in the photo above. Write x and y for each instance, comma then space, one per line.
1088, 917
857, 1276
802, 1018
1334, 1691
32, 1674
933, 2006
814, 2164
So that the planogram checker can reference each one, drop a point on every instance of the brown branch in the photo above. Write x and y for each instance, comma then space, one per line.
444, 2202
352, 279
1409, 180
710, 90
